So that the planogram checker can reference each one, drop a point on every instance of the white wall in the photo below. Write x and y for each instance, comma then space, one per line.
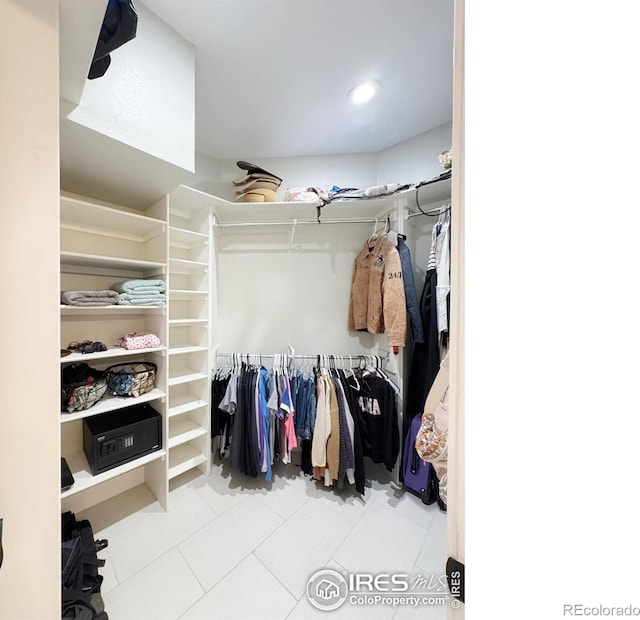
271, 294
323, 171
409, 162
146, 99
414, 160
29, 324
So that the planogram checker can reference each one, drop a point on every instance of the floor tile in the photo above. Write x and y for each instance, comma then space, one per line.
304, 609
348, 503
421, 612
162, 590
217, 548
225, 488
406, 504
433, 554
288, 492
248, 591
383, 541
141, 540
244, 542
303, 545
109, 581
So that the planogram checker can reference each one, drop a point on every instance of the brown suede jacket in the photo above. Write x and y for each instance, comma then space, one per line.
377, 302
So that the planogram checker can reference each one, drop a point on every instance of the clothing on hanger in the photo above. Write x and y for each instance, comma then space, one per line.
335, 417
410, 292
377, 302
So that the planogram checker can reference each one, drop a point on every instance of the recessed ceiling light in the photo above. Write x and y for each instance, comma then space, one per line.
363, 91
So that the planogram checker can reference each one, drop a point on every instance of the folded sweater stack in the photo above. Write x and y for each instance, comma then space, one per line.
88, 298
140, 292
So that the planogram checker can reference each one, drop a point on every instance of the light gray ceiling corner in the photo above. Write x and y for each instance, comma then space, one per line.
272, 76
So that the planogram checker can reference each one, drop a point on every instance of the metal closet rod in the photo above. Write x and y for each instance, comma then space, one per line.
302, 356
433, 212
354, 220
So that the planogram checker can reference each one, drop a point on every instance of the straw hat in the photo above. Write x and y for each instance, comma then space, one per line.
257, 183
252, 169
258, 195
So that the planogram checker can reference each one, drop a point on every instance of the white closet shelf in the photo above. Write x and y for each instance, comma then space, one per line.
186, 201
110, 310
90, 217
184, 405
112, 403
183, 430
69, 260
84, 480
187, 378
187, 322
183, 458
189, 349
235, 212
180, 237
182, 266
187, 294
114, 352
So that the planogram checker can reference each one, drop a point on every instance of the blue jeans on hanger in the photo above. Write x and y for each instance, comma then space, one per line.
410, 292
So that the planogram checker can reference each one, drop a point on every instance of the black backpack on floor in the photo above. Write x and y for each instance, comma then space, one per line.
81, 582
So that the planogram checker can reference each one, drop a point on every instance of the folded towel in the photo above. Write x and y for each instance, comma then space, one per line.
144, 290
130, 286
125, 299
141, 302
89, 298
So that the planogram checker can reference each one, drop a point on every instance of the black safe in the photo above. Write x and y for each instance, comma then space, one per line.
114, 438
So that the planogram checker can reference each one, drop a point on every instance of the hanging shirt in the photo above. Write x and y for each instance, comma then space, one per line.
287, 425
263, 394
230, 399
443, 281
322, 427
333, 440
378, 410
347, 464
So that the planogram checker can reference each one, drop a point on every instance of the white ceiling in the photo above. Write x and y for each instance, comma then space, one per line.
272, 76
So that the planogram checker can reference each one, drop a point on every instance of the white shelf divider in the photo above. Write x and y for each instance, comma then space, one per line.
188, 378
184, 405
183, 458
84, 479
183, 430
112, 403
71, 262
189, 349
109, 353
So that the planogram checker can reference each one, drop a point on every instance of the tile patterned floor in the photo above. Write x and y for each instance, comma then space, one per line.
233, 547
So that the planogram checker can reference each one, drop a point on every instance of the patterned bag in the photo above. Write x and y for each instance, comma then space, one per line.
138, 340
431, 440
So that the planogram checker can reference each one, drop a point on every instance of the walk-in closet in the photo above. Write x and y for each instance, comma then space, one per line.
237, 437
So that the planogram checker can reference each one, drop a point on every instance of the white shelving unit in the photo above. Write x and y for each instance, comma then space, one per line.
190, 260
102, 244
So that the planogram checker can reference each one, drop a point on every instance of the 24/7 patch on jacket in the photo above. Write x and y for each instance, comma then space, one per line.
377, 303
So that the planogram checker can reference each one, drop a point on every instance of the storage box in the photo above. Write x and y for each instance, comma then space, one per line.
114, 438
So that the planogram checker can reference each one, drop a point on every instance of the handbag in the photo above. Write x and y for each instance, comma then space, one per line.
432, 438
